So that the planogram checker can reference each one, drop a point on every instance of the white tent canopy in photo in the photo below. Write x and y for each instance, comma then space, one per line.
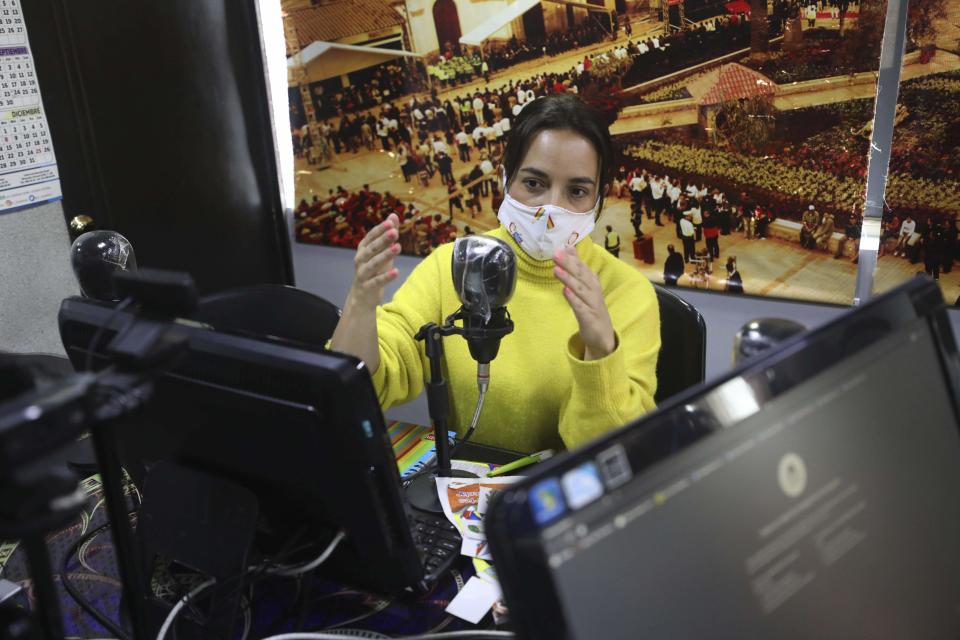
476, 36
331, 59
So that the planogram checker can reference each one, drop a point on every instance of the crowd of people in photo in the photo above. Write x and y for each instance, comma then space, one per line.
393, 121
659, 56
514, 51
343, 218
455, 65
812, 10
698, 213
841, 162
932, 240
370, 87
676, 200
460, 139
426, 134
380, 108
460, 64
644, 59
701, 212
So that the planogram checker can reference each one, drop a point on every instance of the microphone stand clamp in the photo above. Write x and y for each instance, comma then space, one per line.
422, 490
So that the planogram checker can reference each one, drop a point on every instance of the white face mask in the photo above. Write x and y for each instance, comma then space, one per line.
540, 231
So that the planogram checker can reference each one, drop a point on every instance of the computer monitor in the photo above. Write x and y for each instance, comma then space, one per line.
301, 429
812, 493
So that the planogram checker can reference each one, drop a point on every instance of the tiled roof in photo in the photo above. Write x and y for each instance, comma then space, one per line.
735, 81
343, 18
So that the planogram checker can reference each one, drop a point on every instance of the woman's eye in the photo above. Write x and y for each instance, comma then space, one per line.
531, 184
578, 192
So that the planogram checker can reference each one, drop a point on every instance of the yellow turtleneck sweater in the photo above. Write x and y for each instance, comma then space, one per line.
542, 393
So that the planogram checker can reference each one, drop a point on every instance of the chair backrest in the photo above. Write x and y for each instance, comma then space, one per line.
20, 372
682, 361
271, 310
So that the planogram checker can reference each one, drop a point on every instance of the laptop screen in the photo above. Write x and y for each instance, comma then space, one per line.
829, 510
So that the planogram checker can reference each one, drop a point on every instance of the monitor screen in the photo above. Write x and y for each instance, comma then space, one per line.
821, 505
300, 429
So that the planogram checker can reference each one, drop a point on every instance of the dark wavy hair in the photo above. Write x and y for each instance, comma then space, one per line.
560, 111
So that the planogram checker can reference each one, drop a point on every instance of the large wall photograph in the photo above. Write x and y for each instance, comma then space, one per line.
919, 231
752, 120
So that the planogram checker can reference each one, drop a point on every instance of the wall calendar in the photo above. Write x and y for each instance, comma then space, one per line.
28, 167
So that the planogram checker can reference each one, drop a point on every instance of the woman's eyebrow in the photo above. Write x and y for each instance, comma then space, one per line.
537, 172
543, 175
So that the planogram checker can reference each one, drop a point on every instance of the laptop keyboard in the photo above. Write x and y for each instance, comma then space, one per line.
437, 542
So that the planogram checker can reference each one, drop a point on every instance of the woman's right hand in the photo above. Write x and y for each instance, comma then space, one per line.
373, 264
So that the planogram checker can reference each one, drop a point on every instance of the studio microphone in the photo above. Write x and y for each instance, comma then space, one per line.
484, 276
484, 273
95, 257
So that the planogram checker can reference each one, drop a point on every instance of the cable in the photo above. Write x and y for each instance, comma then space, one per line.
85, 604
460, 584
451, 635
283, 571
289, 571
175, 611
247, 616
377, 608
112, 627
357, 633
95, 340
446, 635
483, 383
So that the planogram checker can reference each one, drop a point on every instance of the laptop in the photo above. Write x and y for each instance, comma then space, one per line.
814, 492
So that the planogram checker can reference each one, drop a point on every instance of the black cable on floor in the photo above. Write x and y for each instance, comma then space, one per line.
74, 593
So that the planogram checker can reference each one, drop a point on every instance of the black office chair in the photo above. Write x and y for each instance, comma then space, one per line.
682, 361
271, 310
20, 372
41, 368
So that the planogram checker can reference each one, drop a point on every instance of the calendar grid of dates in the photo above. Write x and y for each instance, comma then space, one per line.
28, 171
12, 29
24, 137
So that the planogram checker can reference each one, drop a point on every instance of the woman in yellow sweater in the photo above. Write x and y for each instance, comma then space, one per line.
582, 358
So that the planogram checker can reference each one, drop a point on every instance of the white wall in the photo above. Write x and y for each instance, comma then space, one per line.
35, 276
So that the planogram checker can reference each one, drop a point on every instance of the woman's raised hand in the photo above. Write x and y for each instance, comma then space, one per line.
585, 296
373, 264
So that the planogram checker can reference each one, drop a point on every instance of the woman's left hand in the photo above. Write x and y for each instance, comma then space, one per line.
585, 296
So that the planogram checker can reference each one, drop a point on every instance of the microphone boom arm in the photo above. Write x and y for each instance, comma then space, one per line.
484, 342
